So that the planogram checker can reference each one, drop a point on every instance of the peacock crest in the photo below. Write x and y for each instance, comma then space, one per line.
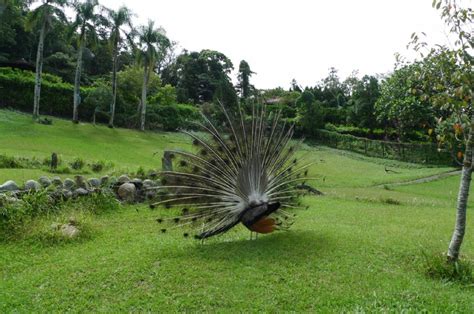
244, 172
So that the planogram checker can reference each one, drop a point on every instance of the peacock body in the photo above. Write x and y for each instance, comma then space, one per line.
245, 172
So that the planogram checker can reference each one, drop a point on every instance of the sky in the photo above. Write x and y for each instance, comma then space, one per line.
300, 39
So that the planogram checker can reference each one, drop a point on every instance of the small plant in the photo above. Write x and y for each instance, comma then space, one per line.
61, 170
390, 201
438, 267
9, 162
78, 163
140, 172
97, 166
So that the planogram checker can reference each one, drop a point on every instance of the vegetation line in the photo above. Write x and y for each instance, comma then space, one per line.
431, 178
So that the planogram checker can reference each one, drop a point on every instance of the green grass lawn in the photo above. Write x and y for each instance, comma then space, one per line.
350, 251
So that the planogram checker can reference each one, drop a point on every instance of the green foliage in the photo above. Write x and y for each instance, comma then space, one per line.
98, 166
401, 104
174, 117
77, 164
202, 77
425, 153
23, 218
310, 113
364, 96
437, 266
17, 87
14, 215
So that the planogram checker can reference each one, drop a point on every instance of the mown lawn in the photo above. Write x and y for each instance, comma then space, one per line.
359, 248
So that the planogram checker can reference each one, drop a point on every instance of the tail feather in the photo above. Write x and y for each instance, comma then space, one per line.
244, 166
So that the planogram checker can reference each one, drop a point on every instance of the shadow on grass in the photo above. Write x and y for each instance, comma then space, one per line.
292, 246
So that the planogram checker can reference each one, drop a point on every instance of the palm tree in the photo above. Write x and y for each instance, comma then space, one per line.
152, 42
44, 17
117, 19
86, 21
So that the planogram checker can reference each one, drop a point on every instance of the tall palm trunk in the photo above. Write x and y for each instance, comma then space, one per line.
144, 92
114, 86
39, 71
77, 83
463, 196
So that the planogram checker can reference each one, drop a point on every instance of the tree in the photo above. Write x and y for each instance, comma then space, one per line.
202, 77
309, 112
151, 41
86, 22
449, 84
333, 89
400, 104
294, 86
365, 93
118, 19
43, 17
244, 86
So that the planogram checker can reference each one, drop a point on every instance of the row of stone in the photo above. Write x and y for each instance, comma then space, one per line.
126, 189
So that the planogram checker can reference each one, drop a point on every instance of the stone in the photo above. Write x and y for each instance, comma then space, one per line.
67, 194
45, 181
167, 161
127, 191
104, 180
123, 179
69, 184
137, 182
57, 181
9, 186
94, 183
81, 182
6, 199
81, 192
112, 181
32, 185
56, 226
148, 183
70, 231
153, 174
150, 195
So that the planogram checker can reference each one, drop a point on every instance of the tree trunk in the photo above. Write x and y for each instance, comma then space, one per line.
77, 83
463, 196
143, 103
114, 87
39, 71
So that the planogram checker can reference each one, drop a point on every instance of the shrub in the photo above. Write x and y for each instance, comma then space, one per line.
173, 117
97, 166
438, 267
14, 215
77, 164
9, 162
17, 90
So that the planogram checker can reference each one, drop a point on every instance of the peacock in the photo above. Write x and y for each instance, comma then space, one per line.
244, 172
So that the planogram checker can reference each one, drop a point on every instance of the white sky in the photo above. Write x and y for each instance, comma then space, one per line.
301, 39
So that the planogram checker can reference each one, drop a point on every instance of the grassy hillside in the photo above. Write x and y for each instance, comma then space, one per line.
359, 248
128, 150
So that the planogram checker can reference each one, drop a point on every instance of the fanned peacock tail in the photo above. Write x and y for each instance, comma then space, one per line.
245, 173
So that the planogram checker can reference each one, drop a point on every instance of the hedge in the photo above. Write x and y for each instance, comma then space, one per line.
17, 92
426, 153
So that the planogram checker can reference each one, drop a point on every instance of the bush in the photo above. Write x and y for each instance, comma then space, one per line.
9, 162
32, 215
438, 267
173, 117
17, 91
16, 214
98, 166
77, 164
